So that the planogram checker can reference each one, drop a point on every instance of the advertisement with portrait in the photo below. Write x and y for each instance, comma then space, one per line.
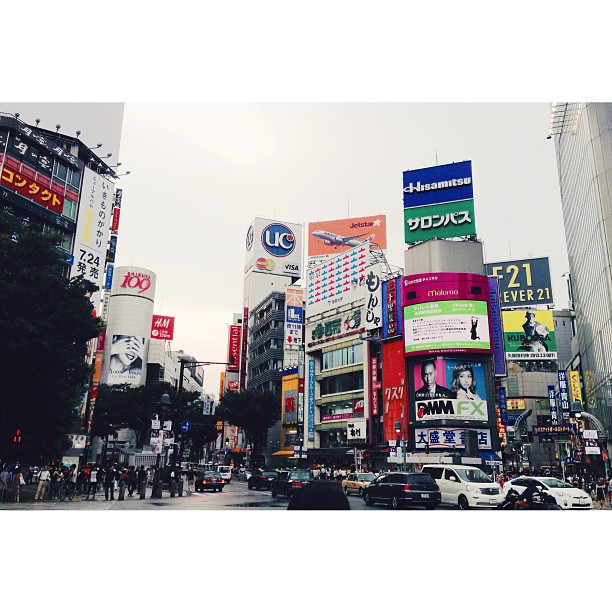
446, 312
450, 389
289, 392
529, 335
522, 282
274, 247
337, 282
127, 355
327, 239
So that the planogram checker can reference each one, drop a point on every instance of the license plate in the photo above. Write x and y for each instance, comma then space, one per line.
492, 502
424, 494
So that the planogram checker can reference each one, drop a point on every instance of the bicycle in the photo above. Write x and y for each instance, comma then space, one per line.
67, 490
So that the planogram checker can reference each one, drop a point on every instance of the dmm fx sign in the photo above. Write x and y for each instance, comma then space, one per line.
356, 430
466, 410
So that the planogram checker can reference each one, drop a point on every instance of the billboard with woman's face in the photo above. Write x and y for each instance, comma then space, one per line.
127, 355
450, 389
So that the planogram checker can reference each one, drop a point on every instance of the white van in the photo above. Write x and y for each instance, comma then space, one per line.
465, 486
225, 471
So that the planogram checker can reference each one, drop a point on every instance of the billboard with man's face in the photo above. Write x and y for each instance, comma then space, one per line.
450, 389
529, 335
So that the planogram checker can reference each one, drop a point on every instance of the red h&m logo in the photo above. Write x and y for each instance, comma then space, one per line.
162, 328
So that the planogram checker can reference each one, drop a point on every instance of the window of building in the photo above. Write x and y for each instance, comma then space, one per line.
60, 171
350, 381
345, 356
70, 209
74, 178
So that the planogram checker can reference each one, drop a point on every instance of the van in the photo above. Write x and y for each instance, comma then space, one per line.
225, 471
465, 486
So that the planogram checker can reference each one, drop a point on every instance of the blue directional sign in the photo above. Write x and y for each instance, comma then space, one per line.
185, 426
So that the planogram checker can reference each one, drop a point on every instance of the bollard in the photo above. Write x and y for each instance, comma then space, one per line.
143, 489
172, 487
121, 490
180, 488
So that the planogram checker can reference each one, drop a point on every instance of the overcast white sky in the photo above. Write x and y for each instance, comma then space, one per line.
202, 172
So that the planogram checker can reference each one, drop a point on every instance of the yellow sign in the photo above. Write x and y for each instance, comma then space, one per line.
516, 404
575, 386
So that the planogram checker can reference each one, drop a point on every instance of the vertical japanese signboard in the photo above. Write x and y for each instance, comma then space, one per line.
575, 389
563, 394
552, 401
311, 399
373, 297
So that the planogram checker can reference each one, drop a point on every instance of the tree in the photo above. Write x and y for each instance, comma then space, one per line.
253, 410
46, 322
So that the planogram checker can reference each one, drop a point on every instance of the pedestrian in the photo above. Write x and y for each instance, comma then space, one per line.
109, 482
18, 482
142, 478
92, 483
43, 479
5, 476
190, 481
132, 480
600, 492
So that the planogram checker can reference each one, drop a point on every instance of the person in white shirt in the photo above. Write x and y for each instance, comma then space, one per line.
43, 478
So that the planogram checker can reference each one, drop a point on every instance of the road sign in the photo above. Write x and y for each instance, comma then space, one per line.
185, 426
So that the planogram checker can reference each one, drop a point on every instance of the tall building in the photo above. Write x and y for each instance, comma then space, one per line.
583, 146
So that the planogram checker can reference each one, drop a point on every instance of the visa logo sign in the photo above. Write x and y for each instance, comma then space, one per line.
294, 314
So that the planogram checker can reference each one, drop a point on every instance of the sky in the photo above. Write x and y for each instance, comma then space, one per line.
303, 113
201, 172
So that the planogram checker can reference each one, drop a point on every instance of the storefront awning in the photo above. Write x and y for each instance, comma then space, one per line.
491, 457
283, 453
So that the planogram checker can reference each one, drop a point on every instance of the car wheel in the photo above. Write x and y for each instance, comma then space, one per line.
361, 491
273, 491
367, 499
395, 502
463, 503
346, 491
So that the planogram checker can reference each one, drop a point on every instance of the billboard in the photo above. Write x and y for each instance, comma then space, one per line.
93, 226
575, 390
330, 238
162, 327
446, 220
522, 282
392, 324
32, 190
449, 438
337, 282
450, 389
529, 335
446, 312
294, 317
274, 247
373, 293
289, 395
445, 183
497, 329
393, 386
234, 344
126, 360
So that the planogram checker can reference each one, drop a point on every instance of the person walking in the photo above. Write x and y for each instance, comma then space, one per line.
18, 482
190, 481
141, 476
43, 478
92, 483
600, 492
5, 478
132, 480
109, 482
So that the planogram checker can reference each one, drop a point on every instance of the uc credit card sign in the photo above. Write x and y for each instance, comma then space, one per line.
445, 183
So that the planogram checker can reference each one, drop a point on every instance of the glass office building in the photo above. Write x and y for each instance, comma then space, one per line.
583, 146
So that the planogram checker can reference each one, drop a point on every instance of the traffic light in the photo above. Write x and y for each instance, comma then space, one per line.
17, 437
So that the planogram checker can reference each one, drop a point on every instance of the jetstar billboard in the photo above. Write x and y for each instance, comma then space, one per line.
450, 389
330, 238
446, 312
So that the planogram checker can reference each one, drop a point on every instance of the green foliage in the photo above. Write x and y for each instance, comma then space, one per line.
253, 410
45, 324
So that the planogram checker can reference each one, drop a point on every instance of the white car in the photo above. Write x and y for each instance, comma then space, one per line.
567, 496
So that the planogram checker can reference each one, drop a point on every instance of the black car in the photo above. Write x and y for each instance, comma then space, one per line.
209, 481
262, 480
288, 482
399, 489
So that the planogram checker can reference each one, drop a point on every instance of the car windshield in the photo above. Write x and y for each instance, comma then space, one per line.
269, 474
366, 477
555, 483
303, 475
473, 476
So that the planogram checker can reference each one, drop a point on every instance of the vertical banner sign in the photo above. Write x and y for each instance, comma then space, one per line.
552, 400
294, 317
108, 283
311, 399
301, 386
162, 327
243, 359
575, 386
373, 302
563, 394
375, 386
497, 331
503, 405
233, 356
590, 391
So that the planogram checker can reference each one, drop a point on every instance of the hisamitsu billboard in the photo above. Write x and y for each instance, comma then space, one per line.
445, 183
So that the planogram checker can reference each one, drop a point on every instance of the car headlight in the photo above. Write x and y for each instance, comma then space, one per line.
473, 489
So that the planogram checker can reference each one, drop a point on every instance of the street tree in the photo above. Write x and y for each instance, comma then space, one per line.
46, 323
253, 410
